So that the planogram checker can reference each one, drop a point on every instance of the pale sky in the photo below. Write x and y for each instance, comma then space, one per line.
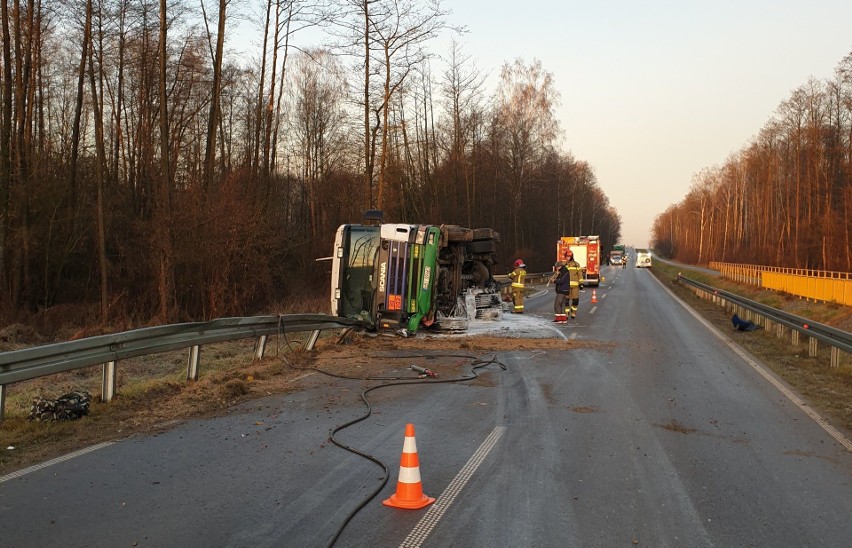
654, 91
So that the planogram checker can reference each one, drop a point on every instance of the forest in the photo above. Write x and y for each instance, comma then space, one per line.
785, 199
148, 173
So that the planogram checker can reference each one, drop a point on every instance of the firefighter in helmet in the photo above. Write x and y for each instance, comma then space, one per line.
518, 275
575, 272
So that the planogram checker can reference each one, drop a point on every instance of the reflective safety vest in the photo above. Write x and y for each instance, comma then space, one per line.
518, 276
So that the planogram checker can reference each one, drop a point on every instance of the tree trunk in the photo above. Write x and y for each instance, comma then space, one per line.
162, 205
213, 118
385, 109
260, 89
368, 157
100, 166
5, 154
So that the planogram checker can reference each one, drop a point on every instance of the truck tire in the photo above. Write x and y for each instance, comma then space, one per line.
485, 234
482, 246
456, 233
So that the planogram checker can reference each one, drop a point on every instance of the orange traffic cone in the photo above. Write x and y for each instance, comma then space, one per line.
594, 295
409, 490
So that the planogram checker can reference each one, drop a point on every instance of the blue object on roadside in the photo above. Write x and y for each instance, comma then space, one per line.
742, 325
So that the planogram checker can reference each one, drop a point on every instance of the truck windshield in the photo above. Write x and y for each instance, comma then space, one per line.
357, 285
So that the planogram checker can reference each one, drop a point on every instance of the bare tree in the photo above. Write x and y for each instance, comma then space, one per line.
317, 122
100, 167
401, 33
5, 152
462, 88
215, 101
526, 101
162, 203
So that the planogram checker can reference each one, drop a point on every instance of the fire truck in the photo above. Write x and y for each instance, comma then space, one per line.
586, 251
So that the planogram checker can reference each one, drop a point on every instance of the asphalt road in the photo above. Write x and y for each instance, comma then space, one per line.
660, 435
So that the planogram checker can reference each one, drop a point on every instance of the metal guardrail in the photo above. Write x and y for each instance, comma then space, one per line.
107, 350
772, 318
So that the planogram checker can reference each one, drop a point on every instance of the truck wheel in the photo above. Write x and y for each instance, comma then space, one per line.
485, 234
482, 246
456, 233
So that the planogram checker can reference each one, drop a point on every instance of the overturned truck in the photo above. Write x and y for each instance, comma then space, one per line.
402, 277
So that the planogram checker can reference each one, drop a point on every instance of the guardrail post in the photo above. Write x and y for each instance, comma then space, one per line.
794, 337
812, 347
768, 324
779, 330
312, 340
835, 356
2, 400
260, 347
108, 382
192, 368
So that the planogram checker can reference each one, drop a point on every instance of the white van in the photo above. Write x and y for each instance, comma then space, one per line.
643, 258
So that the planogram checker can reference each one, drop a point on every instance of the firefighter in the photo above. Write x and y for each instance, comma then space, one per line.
561, 280
517, 277
575, 271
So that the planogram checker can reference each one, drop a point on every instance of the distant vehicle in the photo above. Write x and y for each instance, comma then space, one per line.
618, 255
616, 258
643, 258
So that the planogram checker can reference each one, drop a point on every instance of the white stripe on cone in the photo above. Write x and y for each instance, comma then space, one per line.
409, 445
409, 475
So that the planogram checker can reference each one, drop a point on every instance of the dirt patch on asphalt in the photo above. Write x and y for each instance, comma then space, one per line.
675, 426
585, 409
